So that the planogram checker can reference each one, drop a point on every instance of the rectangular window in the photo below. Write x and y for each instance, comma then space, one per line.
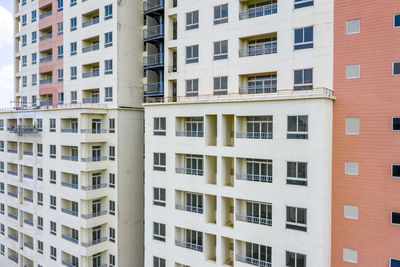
159, 162
351, 168
158, 262
295, 259
353, 126
73, 24
353, 26
40, 222
258, 170
352, 71
74, 73
193, 165
24, 61
112, 207
396, 170
40, 247
73, 3
34, 58
112, 234
111, 154
112, 260
60, 75
297, 173
111, 125
24, 39
159, 231
2, 229
34, 37
108, 68
39, 174
1, 166
258, 253
2, 188
304, 38
258, 127
112, 180
395, 217
53, 177
53, 253
221, 50
60, 4
60, 51
220, 85
396, 20
221, 14
159, 127
159, 197
24, 81
34, 17
192, 87
296, 218
74, 97
23, 20
350, 212
108, 36
350, 255
396, 68
74, 48
257, 212
39, 148
192, 20
192, 54
53, 151
108, 12
53, 202
108, 94
52, 125
303, 3
297, 127
53, 228
60, 96
303, 79
60, 28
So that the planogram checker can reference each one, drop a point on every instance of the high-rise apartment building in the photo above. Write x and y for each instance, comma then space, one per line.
71, 147
366, 158
238, 119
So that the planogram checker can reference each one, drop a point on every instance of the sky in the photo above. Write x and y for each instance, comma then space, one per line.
6, 53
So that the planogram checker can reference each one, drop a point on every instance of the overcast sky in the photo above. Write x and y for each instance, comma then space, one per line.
6, 53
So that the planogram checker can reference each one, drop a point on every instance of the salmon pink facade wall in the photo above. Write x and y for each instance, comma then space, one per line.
375, 99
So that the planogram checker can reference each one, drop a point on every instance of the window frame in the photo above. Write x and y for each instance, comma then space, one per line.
393, 67
159, 167
394, 21
193, 85
220, 19
192, 25
296, 225
299, 181
157, 126
219, 45
157, 231
304, 44
304, 135
159, 202
353, 77
295, 258
303, 85
391, 170
192, 59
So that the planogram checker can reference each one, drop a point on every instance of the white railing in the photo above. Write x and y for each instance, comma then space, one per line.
190, 133
190, 171
252, 261
252, 219
254, 177
188, 245
259, 11
189, 208
254, 135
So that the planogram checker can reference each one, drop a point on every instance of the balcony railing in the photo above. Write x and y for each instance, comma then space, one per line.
153, 60
267, 48
73, 240
257, 89
91, 100
90, 48
70, 212
93, 131
23, 129
28, 245
252, 219
71, 158
252, 261
190, 133
153, 32
13, 216
28, 176
92, 215
13, 259
90, 22
14, 151
12, 194
12, 173
95, 73
28, 199
189, 208
188, 245
45, 103
45, 15
254, 135
259, 11
93, 159
93, 187
28, 222
152, 5
47, 36
63, 262
75, 186
13, 237
69, 130
254, 177
46, 81
27, 153
190, 171
46, 59
95, 242
153, 89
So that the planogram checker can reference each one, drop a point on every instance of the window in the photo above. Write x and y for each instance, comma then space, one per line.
111, 125
73, 3
351, 168
303, 38
53, 202
193, 165
259, 127
258, 170
396, 68
394, 263
1, 166
39, 148
52, 125
295, 259
24, 61
34, 37
40, 247
60, 51
296, 219
159, 196
158, 262
60, 28
53, 253
112, 234
34, 59
353, 26
350, 255
159, 126
111, 152
2, 229
112, 260
1, 125
23, 20
192, 87
297, 173
24, 81
396, 170
256, 253
257, 212
352, 71
194, 127
1, 208
74, 97
2, 146
297, 127
396, 20
60, 96
192, 20
303, 3
2, 249
350, 212
112, 207
53, 177
39, 174
53, 228
220, 85
112, 180
353, 126
108, 12
60, 75
73, 24
108, 94
52, 151
221, 14
74, 73
108, 66
192, 54
74, 48
159, 231
60, 4
108, 36
221, 50
24, 39
395, 217
303, 79
2, 187
159, 161
34, 16
40, 222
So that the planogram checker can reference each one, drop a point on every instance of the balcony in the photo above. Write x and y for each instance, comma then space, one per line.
153, 6
267, 48
185, 244
45, 37
14, 259
95, 242
252, 219
28, 199
70, 212
13, 216
259, 11
91, 100
271, 88
252, 261
46, 59
75, 186
95, 73
69, 130
90, 48
46, 103
93, 131
23, 129
94, 159
26, 221
254, 177
12, 237
70, 158
92, 215
90, 22
153, 61
190, 171
28, 176
12, 194
46, 81
12, 173
153, 32
45, 15
63, 262
254, 135
153, 89
13, 151
73, 240
190, 133
189, 208
26, 244
93, 187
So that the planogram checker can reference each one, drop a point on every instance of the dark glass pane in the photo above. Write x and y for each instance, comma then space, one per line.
396, 68
308, 34
302, 170
291, 169
303, 124
308, 76
298, 36
290, 214
298, 77
301, 260
292, 123
397, 20
396, 170
302, 216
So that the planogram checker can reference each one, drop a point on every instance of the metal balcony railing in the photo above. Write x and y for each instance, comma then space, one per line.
28, 222
28, 199
90, 100
46, 81
253, 261
73, 240
254, 177
13, 216
152, 5
259, 11
69, 130
95, 242
153, 32
75, 186
190, 133
190, 171
90, 48
28, 245
268, 48
252, 219
92, 215
93, 159
257, 89
70, 212
189, 245
153, 89
93, 131
254, 135
95, 73
45, 15
90, 22
13, 237
28, 153
71, 158
14, 259
46, 59
45, 37
153, 60
12, 194
93, 187
12, 173
63, 262
23, 129
28, 176
189, 208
